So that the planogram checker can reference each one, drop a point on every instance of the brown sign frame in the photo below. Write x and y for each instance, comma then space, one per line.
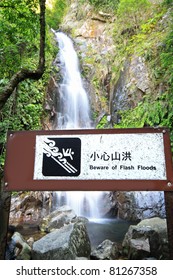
20, 156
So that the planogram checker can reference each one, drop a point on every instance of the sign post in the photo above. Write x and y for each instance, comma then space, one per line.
169, 216
5, 199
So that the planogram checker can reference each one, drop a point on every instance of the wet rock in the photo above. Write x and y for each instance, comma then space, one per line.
108, 205
30, 241
107, 250
79, 240
66, 243
57, 219
133, 83
147, 239
26, 251
136, 206
29, 207
80, 219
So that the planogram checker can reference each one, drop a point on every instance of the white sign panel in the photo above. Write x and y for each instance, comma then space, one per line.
100, 156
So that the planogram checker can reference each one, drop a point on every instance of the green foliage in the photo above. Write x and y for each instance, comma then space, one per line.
106, 5
156, 110
135, 22
155, 45
19, 30
102, 123
149, 113
166, 60
168, 2
132, 6
23, 111
19, 48
54, 14
132, 12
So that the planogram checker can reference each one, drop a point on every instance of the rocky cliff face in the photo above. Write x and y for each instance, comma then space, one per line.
114, 81
136, 206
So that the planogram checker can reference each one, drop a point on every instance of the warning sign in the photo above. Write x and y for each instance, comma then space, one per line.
109, 159
58, 156
100, 156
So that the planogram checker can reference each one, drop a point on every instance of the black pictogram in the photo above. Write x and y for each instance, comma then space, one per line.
61, 156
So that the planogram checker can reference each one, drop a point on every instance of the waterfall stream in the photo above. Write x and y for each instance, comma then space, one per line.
73, 112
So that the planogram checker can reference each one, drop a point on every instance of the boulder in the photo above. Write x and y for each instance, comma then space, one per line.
66, 243
147, 239
57, 219
26, 251
107, 250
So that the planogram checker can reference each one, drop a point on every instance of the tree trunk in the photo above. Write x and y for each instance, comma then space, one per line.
5, 200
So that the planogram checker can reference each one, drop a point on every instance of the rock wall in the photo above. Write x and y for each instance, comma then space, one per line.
136, 206
30, 207
133, 83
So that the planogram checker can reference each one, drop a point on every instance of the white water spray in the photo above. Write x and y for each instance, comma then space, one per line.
74, 113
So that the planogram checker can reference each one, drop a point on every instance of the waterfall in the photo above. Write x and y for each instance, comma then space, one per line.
74, 109
83, 203
73, 112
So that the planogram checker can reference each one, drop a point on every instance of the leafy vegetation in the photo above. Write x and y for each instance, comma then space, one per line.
168, 2
133, 10
103, 123
23, 111
19, 30
155, 45
55, 13
105, 5
138, 31
19, 49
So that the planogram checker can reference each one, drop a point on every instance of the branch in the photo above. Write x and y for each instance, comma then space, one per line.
26, 73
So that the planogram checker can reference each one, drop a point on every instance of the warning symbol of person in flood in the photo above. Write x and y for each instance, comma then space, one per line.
61, 157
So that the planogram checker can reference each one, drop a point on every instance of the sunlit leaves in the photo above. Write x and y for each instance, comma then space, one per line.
106, 5
132, 11
19, 29
55, 13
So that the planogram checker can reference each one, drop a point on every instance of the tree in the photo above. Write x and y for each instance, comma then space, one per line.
7, 91
24, 74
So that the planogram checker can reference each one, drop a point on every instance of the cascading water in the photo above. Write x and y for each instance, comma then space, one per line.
83, 203
73, 113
